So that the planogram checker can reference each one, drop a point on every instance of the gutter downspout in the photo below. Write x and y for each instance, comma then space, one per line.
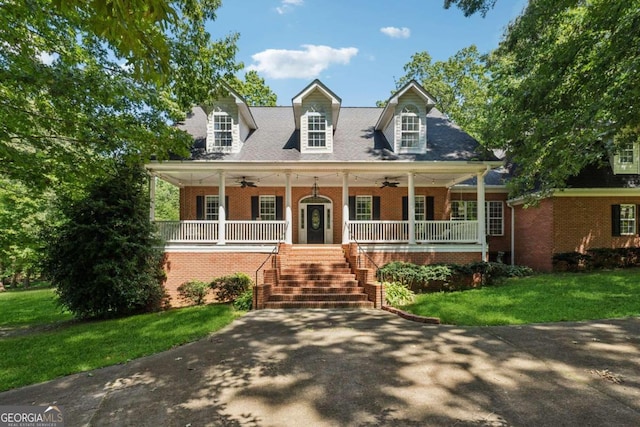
513, 237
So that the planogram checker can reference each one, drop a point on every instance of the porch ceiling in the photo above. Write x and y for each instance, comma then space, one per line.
273, 175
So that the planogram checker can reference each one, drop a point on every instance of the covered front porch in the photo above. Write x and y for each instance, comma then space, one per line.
321, 203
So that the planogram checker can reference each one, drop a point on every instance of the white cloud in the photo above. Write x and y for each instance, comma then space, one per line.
396, 33
288, 5
300, 64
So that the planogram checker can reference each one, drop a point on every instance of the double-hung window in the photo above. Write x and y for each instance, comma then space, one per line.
364, 208
410, 127
222, 130
316, 129
467, 210
212, 204
268, 208
627, 220
420, 208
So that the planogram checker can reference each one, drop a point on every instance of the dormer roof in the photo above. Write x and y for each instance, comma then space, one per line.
390, 108
243, 107
313, 86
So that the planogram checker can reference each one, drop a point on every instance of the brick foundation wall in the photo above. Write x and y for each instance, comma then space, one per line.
534, 235
183, 266
382, 258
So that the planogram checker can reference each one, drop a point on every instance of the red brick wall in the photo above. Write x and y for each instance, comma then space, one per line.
534, 235
184, 266
566, 224
382, 258
582, 223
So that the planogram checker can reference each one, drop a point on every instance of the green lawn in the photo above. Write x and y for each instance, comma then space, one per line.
59, 346
536, 299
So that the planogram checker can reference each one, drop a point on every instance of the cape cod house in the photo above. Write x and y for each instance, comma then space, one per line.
308, 199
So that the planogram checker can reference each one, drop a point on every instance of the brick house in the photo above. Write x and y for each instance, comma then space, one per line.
308, 199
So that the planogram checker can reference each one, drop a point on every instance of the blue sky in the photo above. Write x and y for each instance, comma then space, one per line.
355, 47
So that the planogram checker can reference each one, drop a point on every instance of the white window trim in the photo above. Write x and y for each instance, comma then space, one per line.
319, 132
267, 216
488, 216
368, 200
630, 222
211, 215
228, 120
420, 216
412, 112
466, 213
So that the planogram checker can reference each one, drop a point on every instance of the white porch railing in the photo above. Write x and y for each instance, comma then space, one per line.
207, 231
425, 231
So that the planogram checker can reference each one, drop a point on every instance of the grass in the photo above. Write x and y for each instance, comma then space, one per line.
537, 299
56, 348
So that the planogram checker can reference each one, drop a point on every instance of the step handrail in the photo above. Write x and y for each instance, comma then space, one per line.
361, 250
275, 250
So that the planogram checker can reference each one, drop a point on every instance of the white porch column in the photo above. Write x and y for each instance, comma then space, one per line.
222, 209
482, 233
412, 209
152, 198
288, 214
346, 236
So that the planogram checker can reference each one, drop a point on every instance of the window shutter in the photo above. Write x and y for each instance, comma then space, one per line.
226, 207
431, 211
279, 208
405, 208
352, 207
199, 207
255, 207
615, 220
376, 208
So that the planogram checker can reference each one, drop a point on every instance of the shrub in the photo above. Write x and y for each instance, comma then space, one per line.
244, 302
228, 288
194, 291
103, 257
397, 294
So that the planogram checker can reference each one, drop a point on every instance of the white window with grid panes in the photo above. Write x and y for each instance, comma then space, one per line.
410, 127
316, 129
212, 205
420, 208
268, 208
464, 210
627, 220
222, 130
467, 210
364, 208
495, 218
626, 155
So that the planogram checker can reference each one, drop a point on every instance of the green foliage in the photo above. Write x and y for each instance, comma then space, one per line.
597, 258
167, 201
229, 288
194, 291
254, 90
103, 259
244, 301
460, 85
74, 91
564, 79
397, 294
469, 7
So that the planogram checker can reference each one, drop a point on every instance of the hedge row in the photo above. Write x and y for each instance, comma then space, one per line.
596, 259
448, 277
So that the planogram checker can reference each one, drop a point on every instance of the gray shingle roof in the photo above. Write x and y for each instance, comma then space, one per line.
355, 139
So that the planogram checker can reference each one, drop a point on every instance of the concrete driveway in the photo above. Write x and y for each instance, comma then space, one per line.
365, 368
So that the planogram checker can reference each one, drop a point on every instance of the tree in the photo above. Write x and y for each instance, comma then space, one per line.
565, 88
459, 84
470, 7
73, 94
103, 258
254, 90
167, 201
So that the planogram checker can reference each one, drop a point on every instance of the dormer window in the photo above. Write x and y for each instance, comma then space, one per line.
626, 154
222, 130
410, 131
317, 129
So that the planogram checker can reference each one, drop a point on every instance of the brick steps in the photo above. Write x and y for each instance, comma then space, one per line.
316, 277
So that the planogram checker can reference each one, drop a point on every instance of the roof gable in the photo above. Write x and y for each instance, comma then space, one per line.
390, 108
314, 86
243, 108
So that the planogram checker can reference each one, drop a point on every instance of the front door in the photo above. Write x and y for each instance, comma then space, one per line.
315, 221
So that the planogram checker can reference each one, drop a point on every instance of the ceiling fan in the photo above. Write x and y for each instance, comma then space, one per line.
244, 183
390, 184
